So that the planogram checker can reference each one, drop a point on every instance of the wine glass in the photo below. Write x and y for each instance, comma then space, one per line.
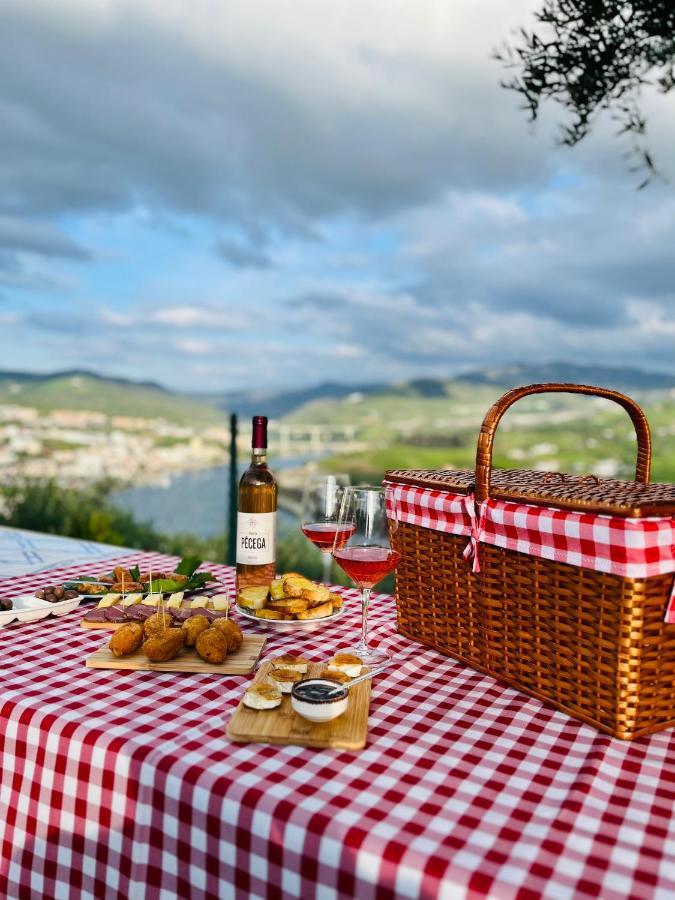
362, 548
318, 517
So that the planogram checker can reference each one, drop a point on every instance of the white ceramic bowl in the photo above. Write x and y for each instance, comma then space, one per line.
28, 608
288, 627
319, 710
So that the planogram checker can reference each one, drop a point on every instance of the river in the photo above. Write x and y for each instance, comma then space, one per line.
192, 503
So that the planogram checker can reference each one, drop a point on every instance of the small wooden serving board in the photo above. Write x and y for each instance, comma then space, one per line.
283, 726
240, 663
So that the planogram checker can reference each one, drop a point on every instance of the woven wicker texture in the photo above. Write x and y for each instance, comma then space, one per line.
593, 645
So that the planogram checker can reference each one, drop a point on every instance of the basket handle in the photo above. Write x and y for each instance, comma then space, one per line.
495, 413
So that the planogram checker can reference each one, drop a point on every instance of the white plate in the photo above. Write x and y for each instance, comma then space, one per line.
28, 608
293, 624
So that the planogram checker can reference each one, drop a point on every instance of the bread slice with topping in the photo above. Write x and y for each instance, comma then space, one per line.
289, 661
264, 695
285, 679
349, 663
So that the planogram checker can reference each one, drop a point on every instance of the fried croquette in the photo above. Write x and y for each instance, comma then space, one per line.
193, 627
122, 574
164, 646
126, 586
211, 645
86, 587
126, 639
157, 624
232, 633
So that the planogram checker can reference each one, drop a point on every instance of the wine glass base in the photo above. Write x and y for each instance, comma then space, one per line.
370, 656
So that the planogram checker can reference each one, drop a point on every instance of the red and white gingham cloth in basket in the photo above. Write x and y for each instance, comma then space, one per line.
630, 548
124, 785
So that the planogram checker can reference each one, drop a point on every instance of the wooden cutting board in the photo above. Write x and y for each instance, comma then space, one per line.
240, 663
283, 726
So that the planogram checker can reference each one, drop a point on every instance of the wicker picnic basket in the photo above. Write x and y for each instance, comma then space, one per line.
590, 643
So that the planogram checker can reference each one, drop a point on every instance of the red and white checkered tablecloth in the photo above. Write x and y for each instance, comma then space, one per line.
123, 784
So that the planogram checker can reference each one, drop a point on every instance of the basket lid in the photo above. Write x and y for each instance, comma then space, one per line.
583, 493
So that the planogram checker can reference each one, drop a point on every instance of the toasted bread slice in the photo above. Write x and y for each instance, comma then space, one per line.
289, 605
317, 612
289, 661
334, 675
253, 597
349, 663
316, 594
336, 600
295, 585
269, 614
262, 696
277, 589
285, 679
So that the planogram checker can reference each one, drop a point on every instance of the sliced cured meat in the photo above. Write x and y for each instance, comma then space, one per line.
182, 615
210, 614
138, 613
114, 614
95, 615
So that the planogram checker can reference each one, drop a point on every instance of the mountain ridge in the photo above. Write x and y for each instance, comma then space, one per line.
74, 388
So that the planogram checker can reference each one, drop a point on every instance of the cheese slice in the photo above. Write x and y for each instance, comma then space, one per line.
175, 600
109, 600
132, 599
199, 602
152, 599
221, 602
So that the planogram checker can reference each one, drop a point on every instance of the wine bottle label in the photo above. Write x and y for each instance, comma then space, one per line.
256, 538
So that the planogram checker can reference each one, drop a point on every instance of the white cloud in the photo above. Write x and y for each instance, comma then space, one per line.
363, 187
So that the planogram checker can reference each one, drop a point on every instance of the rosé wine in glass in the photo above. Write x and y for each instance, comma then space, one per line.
367, 555
326, 535
318, 518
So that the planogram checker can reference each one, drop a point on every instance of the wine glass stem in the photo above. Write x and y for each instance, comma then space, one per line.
327, 561
365, 600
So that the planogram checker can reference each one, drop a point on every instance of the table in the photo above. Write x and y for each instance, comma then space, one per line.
124, 785
23, 552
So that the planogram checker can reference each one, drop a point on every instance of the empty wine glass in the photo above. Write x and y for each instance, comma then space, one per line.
318, 517
362, 548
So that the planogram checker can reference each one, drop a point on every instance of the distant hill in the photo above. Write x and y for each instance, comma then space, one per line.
278, 404
602, 376
79, 389
284, 403
83, 390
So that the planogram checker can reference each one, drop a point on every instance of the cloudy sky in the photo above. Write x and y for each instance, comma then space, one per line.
226, 193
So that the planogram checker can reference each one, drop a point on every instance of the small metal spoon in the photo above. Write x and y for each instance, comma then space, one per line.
346, 687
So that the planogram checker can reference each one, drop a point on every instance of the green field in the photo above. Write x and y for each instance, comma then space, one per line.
112, 398
567, 434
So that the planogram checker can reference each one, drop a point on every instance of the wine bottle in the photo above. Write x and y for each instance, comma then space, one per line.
257, 515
